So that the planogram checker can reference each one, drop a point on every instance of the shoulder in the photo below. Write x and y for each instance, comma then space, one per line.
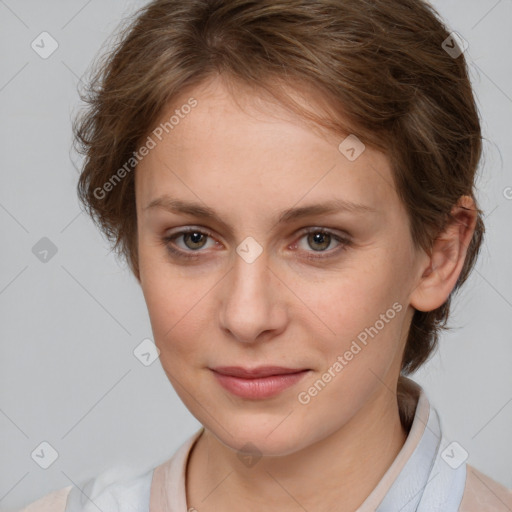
118, 489
52, 502
482, 494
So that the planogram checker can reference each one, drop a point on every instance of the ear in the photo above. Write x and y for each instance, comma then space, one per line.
444, 265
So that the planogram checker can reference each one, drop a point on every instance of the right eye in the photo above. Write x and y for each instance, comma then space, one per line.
193, 239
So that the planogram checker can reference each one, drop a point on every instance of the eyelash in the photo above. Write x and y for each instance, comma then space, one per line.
167, 241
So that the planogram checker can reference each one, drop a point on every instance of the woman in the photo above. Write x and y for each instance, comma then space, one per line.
292, 184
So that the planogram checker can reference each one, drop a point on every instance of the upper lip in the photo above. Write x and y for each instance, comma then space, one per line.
253, 373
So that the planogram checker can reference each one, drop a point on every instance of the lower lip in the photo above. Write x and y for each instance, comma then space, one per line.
263, 387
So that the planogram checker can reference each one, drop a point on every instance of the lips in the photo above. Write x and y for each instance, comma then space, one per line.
257, 383
256, 373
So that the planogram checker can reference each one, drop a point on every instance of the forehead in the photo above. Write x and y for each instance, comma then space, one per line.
249, 147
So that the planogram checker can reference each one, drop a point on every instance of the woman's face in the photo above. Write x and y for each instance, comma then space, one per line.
249, 287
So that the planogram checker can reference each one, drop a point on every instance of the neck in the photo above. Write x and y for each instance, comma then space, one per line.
346, 466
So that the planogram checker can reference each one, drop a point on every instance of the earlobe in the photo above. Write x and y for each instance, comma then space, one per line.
447, 258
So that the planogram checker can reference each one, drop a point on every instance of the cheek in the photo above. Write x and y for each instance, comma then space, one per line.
347, 302
173, 313
367, 318
178, 309
358, 314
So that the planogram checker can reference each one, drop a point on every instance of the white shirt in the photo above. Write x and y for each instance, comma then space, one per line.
429, 474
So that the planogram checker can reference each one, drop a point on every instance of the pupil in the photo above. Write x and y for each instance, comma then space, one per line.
195, 239
322, 239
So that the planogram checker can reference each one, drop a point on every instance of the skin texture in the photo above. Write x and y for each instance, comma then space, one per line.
249, 164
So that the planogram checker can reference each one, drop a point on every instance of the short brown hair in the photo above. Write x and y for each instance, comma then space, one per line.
380, 64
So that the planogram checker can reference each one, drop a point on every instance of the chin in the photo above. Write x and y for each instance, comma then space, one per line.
269, 438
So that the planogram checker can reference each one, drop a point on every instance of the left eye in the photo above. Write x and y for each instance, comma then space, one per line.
319, 240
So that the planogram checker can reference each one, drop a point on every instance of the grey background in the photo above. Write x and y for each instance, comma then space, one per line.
69, 326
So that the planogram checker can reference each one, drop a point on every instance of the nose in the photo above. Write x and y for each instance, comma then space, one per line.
252, 308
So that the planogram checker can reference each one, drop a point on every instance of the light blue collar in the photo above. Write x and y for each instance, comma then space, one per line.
427, 483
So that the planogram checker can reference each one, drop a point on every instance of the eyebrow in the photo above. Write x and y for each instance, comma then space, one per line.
291, 214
